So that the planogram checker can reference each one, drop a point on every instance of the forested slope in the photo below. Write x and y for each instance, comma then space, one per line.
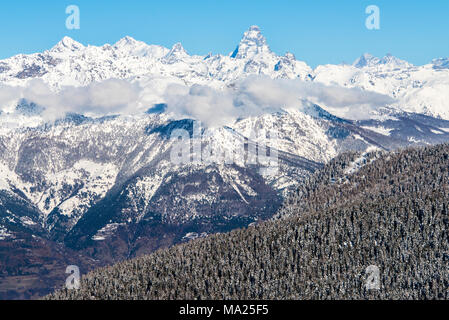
389, 210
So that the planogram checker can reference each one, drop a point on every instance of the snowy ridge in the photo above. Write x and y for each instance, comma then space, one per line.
69, 63
422, 89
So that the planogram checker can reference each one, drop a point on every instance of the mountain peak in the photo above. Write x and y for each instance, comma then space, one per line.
368, 60
126, 41
441, 63
176, 53
290, 56
392, 60
254, 28
67, 44
177, 48
133, 47
252, 43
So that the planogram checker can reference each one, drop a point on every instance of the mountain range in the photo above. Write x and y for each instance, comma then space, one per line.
95, 184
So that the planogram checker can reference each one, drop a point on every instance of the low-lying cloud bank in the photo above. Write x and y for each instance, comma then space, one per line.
99, 98
257, 95
252, 96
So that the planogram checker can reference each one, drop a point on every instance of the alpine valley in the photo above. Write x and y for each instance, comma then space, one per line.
92, 189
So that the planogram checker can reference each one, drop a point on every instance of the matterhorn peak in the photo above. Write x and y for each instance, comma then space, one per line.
67, 44
252, 43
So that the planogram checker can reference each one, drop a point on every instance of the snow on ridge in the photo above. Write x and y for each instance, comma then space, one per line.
106, 231
93, 180
379, 129
96, 180
361, 161
4, 233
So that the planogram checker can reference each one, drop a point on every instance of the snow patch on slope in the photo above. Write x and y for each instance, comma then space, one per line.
4, 233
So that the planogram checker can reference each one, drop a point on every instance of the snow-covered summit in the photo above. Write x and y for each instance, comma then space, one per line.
67, 44
129, 46
441, 63
252, 43
176, 54
127, 42
368, 60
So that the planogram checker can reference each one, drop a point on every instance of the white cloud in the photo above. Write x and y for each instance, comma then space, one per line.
99, 98
9, 96
213, 107
252, 96
257, 95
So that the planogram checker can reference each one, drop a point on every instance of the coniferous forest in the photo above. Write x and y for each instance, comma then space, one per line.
388, 210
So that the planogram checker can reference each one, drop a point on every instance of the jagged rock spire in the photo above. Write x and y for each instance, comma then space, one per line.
176, 53
252, 43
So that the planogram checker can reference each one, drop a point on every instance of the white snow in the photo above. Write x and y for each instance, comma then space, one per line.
27, 221
379, 129
194, 235
421, 89
4, 234
361, 161
106, 231
436, 131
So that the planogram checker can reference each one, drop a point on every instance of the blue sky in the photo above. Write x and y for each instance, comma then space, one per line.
318, 32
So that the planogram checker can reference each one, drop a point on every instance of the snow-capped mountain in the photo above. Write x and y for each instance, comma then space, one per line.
107, 187
118, 170
420, 89
71, 63
368, 60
